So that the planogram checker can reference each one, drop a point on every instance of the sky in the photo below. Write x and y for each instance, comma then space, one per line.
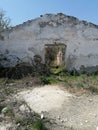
20, 11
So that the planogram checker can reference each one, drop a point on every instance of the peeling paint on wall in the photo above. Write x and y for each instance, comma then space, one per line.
23, 42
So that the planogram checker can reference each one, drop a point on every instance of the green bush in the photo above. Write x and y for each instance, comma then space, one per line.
57, 70
38, 125
48, 80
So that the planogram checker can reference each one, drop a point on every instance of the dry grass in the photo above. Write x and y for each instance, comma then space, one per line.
75, 84
81, 83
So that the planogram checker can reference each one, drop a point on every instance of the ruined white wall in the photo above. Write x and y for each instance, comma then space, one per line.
24, 41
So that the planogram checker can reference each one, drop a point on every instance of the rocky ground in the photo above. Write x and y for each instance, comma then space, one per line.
67, 110
59, 108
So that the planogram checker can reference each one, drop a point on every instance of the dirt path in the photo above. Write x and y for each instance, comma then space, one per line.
68, 111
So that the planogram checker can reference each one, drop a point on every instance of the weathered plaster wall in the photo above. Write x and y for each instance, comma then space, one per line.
24, 41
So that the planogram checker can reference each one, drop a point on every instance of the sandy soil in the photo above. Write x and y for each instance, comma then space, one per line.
67, 111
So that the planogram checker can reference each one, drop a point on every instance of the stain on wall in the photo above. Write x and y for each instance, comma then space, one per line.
26, 40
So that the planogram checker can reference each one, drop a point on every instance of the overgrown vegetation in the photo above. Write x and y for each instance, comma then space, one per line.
57, 70
73, 81
39, 125
17, 78
48, 80
4, 21
23, 70
50, 75
29, 124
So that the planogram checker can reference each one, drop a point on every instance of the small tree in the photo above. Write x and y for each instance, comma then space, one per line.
4, 21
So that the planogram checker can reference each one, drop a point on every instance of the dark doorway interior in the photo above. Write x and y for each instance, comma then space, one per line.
55, 55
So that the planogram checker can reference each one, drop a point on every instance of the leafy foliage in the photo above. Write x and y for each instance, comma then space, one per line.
4, 21
48, 80
39, 125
